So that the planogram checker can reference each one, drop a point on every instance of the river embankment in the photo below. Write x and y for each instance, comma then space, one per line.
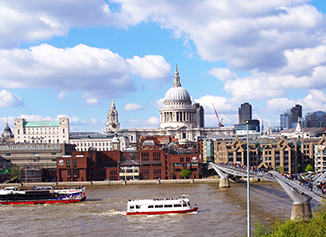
123, 182
113, 183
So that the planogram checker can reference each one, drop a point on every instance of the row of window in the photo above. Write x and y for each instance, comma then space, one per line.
68, 163
75, 172
182, 159
159, 206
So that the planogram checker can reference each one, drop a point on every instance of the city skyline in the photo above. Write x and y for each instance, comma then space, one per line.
70, 59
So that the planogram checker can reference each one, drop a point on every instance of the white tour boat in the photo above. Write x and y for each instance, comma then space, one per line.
160, 206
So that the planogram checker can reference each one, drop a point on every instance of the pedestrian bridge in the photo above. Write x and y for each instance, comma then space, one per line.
299, 190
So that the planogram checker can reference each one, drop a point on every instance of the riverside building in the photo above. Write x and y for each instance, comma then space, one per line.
152, 160
41, 131
179, 118
292, 154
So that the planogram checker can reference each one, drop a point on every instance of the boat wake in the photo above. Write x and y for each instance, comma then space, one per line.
113, 213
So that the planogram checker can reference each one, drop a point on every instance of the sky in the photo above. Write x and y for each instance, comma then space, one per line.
71, 58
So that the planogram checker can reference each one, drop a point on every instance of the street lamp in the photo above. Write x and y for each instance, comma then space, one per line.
248, 182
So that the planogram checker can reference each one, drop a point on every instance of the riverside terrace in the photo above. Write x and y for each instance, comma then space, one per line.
301, 188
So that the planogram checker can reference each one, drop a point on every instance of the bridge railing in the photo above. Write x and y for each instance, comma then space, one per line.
299, 185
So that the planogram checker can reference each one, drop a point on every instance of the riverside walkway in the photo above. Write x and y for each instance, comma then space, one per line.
301, 188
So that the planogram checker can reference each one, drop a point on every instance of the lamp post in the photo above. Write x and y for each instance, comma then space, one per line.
248, 182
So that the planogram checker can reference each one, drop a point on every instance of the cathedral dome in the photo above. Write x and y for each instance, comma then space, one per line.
177, 93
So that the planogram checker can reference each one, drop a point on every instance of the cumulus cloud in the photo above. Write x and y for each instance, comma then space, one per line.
9, 99
306, 69
279, 105
99, 72
246, 37
39, 20
62, 94
315, 100
221, 104
133, 106
153, 121
223, 74
149, 123
151, 67
92, 101
159, 103
94, 121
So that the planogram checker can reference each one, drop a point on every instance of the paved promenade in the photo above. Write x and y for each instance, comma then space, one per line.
119, 182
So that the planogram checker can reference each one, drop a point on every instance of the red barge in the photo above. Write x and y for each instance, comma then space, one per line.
160, 206
41, 195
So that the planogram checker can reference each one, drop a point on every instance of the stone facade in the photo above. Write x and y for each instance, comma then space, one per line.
293, 155
41, 131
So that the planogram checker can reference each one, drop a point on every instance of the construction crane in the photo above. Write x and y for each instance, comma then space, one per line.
218, 119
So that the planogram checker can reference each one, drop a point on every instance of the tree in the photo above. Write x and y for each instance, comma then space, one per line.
185, 173
280, 169
309, 168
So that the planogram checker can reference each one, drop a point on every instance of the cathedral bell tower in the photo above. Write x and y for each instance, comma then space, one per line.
112, 124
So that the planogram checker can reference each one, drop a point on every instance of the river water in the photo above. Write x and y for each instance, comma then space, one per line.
222, 212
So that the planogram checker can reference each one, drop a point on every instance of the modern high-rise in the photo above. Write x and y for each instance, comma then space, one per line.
316, 119
245, 113
296, 113
290, 118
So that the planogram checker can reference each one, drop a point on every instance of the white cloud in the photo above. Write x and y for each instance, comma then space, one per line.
8, 99
72, 120
246, 37
94, 121
279, 105
150, 67
314, 101
99, 72
133, 106
149, 123
221, 104
92, 101
62, 94
153, 121
223, 74
159, 103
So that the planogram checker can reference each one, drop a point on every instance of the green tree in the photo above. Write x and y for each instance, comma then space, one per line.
14, 172
280, 169
309, 168
185, 173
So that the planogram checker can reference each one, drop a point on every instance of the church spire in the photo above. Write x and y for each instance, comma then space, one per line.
176, 77
112, 105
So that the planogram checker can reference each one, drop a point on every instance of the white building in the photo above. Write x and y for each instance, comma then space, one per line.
41, 131
101, 142
178, 118
178, 109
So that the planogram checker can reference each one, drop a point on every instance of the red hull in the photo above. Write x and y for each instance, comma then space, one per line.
162, 212
41, 202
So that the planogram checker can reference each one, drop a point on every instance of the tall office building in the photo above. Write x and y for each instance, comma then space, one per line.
296, 113
290, 118
245, 113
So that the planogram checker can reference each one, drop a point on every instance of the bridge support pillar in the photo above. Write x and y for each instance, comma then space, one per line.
224, 182
301, 211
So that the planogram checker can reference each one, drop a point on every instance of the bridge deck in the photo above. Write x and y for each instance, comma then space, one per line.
300, 187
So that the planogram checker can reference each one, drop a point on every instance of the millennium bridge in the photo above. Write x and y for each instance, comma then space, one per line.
297, 188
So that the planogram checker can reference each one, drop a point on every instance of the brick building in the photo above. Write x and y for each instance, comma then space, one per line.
153, 160
292, 154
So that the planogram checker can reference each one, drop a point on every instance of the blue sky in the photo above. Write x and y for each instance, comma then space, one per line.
71, 58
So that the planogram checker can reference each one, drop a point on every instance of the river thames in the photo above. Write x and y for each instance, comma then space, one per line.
222, 212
